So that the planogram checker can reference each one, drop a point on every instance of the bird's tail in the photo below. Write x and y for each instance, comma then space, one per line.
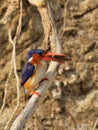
21, 86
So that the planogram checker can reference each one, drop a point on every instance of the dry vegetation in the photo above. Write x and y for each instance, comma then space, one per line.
71, 103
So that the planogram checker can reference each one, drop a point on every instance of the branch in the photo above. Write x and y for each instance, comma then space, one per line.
96, 122
6, 84
13, 61
31, 106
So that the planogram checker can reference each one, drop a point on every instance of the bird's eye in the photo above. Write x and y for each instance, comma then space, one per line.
40, 53
30, 59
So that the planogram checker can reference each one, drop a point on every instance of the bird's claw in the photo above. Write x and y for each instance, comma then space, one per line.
37, 93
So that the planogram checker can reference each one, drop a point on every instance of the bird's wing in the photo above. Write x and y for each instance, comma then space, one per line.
28, 70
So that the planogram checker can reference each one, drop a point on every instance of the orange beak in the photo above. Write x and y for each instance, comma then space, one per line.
55, 57
60, 58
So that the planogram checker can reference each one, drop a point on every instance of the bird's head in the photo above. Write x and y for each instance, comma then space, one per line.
35, 56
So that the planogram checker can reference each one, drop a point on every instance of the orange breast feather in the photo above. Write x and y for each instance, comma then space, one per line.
33, 82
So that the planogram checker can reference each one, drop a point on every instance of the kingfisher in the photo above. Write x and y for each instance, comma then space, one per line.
33, 72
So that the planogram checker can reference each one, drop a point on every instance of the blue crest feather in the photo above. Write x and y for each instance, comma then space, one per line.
36, 51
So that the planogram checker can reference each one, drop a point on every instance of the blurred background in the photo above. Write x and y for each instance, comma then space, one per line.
71, 103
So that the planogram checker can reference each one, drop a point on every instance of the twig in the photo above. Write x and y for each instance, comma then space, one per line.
65, 11
95, 124
13, 42
51, 73
65, 16
17, 79
11, 8
6, 84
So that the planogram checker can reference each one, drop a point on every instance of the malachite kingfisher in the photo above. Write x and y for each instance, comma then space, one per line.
33, 72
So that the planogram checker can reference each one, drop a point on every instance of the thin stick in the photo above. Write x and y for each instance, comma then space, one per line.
65, 17
6, 84
13, 42
95, 124
65, 13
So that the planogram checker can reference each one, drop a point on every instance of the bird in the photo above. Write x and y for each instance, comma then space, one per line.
33, 72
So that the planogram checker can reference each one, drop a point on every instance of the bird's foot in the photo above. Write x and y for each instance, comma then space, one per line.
37, 93
43, 80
